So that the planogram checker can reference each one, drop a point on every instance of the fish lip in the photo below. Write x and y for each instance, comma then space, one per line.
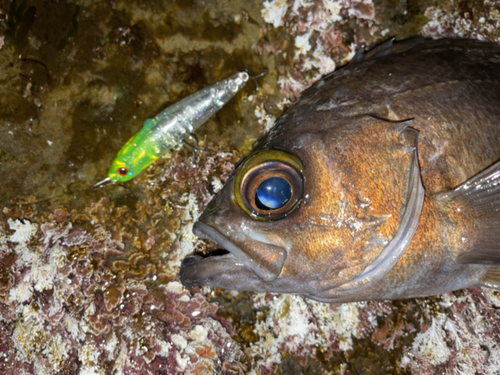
208, 232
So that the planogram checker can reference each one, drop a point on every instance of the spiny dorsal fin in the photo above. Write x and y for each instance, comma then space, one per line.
388, 47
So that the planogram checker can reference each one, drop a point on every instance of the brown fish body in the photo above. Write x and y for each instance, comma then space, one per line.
376, 152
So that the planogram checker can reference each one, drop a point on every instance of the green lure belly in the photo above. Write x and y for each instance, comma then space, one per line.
169, 128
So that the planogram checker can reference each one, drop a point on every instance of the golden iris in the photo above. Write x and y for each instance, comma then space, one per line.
269, 184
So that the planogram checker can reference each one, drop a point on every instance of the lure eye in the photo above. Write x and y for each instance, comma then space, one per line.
269, 185
122, 171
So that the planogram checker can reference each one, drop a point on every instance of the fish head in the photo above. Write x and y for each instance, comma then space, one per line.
308, 210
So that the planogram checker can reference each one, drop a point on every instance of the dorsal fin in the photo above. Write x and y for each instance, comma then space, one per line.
383, 49
388, 47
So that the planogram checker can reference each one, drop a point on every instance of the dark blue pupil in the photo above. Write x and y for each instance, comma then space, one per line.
273, 193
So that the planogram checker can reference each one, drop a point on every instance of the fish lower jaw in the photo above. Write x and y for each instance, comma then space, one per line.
200, 271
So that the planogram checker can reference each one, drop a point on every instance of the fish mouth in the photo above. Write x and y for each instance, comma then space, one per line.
197, 270
231, 269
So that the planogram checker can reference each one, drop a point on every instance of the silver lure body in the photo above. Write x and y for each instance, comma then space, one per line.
176, 122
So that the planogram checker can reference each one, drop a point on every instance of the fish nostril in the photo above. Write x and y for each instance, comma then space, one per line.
190, 260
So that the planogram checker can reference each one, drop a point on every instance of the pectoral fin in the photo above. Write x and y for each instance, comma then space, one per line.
480, 198
492, 278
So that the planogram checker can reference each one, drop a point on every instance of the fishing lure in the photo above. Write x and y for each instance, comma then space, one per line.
169, 128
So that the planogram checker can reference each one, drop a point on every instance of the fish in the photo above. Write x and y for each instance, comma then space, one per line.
381, 182
167, 130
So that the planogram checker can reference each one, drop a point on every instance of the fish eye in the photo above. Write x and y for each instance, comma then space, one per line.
269, 184
273, 193
122, 171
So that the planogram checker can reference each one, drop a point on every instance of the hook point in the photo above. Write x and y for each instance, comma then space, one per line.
103, 183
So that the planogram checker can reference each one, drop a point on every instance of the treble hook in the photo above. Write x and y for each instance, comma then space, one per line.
263, 73
103, 183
